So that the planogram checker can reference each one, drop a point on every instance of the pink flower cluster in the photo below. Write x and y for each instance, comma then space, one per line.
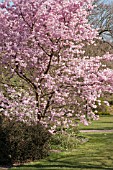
41, 42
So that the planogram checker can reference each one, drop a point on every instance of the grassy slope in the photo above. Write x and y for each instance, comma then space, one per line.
96, 154
104, 122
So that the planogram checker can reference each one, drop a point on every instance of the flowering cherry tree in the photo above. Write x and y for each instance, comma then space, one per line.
41, 45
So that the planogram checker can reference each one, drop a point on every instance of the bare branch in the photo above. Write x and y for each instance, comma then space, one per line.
48, 104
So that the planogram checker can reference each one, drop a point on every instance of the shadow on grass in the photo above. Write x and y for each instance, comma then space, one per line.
100, 128
107, 122
53, 167
66, 164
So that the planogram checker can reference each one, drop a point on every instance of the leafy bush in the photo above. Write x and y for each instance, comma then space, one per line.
63, 142
5, 158
67, 140
103, 110
21, 142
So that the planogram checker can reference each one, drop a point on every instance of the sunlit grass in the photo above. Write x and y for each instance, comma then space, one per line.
104, 122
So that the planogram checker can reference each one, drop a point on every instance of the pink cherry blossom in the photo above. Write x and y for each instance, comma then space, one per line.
41, 44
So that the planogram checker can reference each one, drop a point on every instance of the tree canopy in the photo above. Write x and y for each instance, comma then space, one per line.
42, 50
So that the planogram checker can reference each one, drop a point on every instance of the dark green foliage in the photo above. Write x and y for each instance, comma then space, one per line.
20, 142
5, 158
103, 110
103, 113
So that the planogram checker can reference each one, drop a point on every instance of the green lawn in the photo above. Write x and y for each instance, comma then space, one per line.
104, 122
96, 154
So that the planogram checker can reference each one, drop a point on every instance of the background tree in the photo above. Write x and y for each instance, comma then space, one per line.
102, 19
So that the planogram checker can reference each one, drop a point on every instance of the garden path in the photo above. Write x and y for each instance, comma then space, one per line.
96, 131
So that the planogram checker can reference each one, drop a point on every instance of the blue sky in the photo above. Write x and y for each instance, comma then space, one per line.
108, 1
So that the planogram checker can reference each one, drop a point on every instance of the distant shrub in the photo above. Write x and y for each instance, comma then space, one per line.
21, 142
103, 109
67, 140
103, 113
